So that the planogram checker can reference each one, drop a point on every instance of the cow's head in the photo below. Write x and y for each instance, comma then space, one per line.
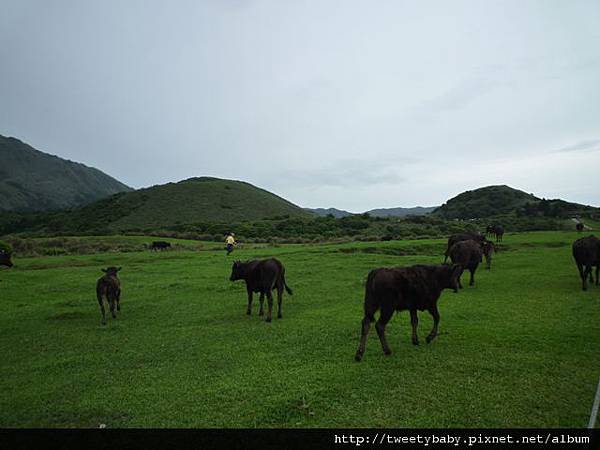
5, 258
111, 271
237, 271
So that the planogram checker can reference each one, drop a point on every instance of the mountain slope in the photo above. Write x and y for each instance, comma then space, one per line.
493, 201
192, 201
31, 180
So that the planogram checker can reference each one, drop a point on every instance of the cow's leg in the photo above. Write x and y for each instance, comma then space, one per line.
112, 304
270, 300
119, 300
586, 273
581, 274
597, 274
249, 309
458, 279
364, 332
261, 299
279, 299
472, 279
102, 311
414, 321
384, 318
436, 320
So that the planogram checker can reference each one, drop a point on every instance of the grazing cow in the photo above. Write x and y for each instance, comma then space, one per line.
586, 252
579, 226
495, 230
467, 255
160, 245
109, 287
5, 258
477, 237
262, 276
416, 288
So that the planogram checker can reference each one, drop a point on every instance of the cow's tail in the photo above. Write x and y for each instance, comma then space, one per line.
287, 288
369, 304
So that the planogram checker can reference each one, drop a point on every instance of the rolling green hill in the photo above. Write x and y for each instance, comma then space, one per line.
491, 201
31, 180
192, 201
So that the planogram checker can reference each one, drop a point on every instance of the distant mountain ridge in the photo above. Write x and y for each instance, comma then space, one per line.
31, 180
402, 212
337, 213
380, 212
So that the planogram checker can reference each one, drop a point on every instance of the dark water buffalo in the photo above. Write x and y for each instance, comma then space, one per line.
579, 226
109, 287
478, 237
416, 288
495, 230
586, 252
467, 255
5, 258
262, 276
160, 245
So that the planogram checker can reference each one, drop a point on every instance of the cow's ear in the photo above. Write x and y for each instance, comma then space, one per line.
103, 270
119, 269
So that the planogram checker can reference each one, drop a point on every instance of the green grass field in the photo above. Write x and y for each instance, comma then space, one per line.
521, 348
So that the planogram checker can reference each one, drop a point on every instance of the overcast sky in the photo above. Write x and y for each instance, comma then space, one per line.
350, 104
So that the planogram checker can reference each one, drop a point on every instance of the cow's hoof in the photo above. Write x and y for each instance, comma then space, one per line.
358, 357
415, 342
268, 320
248, 313
387, 352
261, 313
428, 339
279, 316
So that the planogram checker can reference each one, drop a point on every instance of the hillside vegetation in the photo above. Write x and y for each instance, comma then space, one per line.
31, 180
495, 201
174, 205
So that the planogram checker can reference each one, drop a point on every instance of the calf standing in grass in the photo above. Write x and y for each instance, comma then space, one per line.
5, 258
586, 252
416, 288
109, 287
160, 245
262, 276
467, 255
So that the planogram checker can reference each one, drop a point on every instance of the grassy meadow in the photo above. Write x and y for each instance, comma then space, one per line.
519, 349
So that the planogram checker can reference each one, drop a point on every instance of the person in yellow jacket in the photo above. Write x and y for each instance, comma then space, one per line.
229, 242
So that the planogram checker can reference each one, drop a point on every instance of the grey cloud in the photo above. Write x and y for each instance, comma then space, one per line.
592, 145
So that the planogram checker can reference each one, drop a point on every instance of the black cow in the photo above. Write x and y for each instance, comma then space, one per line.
262, 276
416, 288
160, 245
109, 287
467, 255
586, 252
478, 237
5, 258
495, 230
